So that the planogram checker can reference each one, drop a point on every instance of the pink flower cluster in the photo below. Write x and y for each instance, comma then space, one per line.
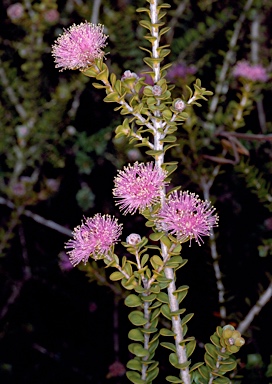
187, 217
180, 70
15, 11
51, 16
79, 46
250, 72
138, 186
94, 237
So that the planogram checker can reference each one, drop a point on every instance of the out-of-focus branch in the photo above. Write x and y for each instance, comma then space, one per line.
255, 49
39, 219
264, 298
172, 23
206, 185
95, 12
18, 285
11, 94
222, 85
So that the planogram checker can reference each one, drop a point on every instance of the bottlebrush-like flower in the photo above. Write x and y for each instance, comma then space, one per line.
187, 217
79, 46
138, 186
250, 72
94, 237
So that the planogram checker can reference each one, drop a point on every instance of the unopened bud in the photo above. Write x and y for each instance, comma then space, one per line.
179, 105
133, 239
129, 75
157, 91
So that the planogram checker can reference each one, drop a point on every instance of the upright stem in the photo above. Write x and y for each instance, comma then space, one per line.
206, 186
222, 85
158, 145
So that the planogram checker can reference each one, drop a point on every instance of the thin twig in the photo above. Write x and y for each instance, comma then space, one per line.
206, 186
39, 219
173, 22
264, 298
11, 94
254, 53
222, 84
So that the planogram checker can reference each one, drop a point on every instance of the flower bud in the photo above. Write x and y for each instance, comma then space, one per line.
179, 105
133, 239
129, 75
15, 11
157, 91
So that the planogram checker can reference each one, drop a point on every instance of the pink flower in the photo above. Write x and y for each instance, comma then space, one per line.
15, 11
187, 217
250, 72
64, 262
19, 189
116, 369
51, 16
138, 186
79, 46
94, 238
180, 70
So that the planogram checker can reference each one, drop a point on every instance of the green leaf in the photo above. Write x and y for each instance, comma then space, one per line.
164, 30
170, 346
210, 361
146, 24
135, 335
165, 240
195, 366
142, 9
112, 98
163, 297
157, 260
98, 86
137, 318
116, 276
181, 288
167, 332
190, 347
175, 262
152, 375
174, 379
156, 236
139, 289
103, 76
173, 359
211, 350
204, 371
135, 377
155, 305
153, 344
133, 301
178, 312
138, 350
134, 364
149, 330
155, 288
90, 72
221, 380
227, 367
154, 154
186, 318
144, 259
155, 314
165, 310
149, 298
215, 340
